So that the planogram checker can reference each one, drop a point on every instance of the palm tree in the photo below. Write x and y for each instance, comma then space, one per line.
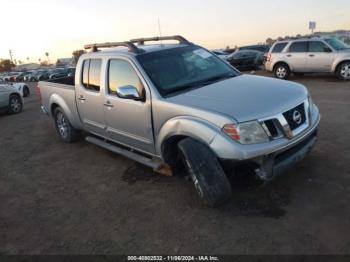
48, 60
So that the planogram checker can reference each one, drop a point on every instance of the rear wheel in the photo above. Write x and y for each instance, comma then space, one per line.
344, 71
206, 172
64, 128
15, 104
281, 71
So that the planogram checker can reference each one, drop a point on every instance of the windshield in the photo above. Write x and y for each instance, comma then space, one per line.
336, 44
184, 68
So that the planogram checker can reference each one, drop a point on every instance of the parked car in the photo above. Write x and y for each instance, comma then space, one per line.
260, 48
58, 73
246, 59
22, 88
20, 77
10, 99
311, 55
223, 55
167, 105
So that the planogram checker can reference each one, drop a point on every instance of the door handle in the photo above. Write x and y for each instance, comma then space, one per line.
311, 55
81, 98
108, 104
289, 55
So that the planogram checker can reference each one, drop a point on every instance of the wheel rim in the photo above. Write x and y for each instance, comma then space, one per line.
345, 71
62, 125
15, 105
281, 72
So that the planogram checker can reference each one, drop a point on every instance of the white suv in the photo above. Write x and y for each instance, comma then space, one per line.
314, 55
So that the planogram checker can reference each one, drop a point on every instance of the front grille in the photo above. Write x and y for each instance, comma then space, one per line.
296, 116
270, 124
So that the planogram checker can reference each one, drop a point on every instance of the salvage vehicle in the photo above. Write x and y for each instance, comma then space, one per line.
172, 105
10, 99
22, 88
309, 55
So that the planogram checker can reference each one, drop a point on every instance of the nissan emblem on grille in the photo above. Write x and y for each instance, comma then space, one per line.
297, 117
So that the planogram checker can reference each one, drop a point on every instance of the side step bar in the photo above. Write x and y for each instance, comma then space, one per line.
156, 165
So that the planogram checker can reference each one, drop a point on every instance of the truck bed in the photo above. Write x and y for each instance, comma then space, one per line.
60, 91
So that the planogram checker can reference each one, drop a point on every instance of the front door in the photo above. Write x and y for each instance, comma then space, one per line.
320, 57
4, 99
128, 121
90, 98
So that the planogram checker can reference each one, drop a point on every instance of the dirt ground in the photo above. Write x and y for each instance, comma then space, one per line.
60, 198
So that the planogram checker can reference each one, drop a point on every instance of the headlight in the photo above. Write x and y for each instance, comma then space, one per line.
246, 133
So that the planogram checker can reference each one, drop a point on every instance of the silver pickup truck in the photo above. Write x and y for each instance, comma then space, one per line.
178, 104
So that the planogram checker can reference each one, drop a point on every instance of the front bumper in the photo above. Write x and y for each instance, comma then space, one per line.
277, 163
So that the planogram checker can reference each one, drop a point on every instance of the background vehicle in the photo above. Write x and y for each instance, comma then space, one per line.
58, 73
223, 55
314, 55
21, 88
10, 99
202, 112
260, 48
246, 59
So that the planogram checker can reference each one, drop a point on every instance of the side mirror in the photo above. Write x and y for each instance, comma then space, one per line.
128, 92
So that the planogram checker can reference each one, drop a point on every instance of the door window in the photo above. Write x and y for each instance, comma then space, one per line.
91, 74
298, 47
121, 73
317, 47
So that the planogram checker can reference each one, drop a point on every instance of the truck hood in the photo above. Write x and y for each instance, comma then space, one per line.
245, 97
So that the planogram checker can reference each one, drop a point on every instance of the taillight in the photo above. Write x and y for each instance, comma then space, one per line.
268, 57
38, 93
231, 131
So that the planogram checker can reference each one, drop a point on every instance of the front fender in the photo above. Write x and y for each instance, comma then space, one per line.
189, 126
339, 61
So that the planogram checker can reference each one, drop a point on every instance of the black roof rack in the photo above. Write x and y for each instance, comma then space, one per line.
128, 44
181, 39
133, 48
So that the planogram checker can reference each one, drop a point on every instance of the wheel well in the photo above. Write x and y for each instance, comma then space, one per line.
14, 94
170, 151
53, 108
339, 64
281, 63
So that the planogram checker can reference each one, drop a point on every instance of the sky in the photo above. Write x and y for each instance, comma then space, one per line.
32, 27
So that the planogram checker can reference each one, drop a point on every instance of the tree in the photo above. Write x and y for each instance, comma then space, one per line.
6, 65
76, 54
47, 55
269, 41
59, 63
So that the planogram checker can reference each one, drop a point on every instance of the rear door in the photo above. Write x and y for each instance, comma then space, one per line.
89, 97
296, 56
320, 57
128, 121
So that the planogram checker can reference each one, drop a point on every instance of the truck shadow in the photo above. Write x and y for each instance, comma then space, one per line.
250, 197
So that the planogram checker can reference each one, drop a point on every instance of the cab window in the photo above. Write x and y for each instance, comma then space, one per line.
91, 74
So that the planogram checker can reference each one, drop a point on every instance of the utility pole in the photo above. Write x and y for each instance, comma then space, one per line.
11, 54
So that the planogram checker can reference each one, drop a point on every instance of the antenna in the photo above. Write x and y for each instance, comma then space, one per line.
160, 31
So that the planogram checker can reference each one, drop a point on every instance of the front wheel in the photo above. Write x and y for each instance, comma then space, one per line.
64, 128
281, 71
206, 172
344, 71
